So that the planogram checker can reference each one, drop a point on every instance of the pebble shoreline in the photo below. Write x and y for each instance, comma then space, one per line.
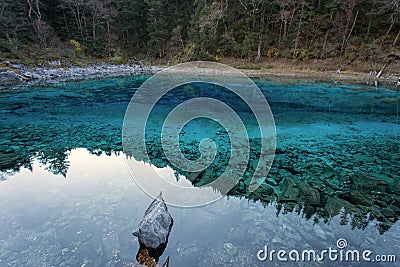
19, 74
13, 74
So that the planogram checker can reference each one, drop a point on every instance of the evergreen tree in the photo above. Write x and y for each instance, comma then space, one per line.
15, 26
132, 23
202, 29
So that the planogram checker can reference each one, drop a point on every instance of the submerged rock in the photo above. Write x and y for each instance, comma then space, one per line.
357, 197
156, 225
290, 190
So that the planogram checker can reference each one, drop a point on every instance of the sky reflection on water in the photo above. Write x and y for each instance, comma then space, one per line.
89, 218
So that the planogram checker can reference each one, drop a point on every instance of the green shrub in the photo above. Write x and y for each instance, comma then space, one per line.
77, 47
273, 52
117, 58
303, 53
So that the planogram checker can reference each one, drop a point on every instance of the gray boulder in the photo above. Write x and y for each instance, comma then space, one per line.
8, 77
156, 225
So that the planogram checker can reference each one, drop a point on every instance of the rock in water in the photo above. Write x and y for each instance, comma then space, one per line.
155, 226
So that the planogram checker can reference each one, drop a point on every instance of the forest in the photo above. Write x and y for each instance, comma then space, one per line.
182, 30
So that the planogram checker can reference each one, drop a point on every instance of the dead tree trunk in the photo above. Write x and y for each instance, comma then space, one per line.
261, 37
352, 27
259, 48
388, 31
384, 67
382, 70
396, 39
298, 33
324, 44
34, 7
347, 64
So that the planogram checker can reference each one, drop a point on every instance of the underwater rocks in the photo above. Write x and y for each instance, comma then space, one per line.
369, 182
309, 179
295, 193
15, 74
321, 184
359, 175
327, 186
290, 190
263, 193
394, 188
357, 197
156, 225
228, 255
51, 145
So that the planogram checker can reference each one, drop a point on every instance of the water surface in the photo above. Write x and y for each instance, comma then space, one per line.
67, 198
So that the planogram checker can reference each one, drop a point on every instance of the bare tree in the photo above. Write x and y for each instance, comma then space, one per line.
349, 7
34, 8
216, 13
96, 7
77, 7
98, 12
392, 8
287, 10
109, 15
44, 33
257, 9
296, 43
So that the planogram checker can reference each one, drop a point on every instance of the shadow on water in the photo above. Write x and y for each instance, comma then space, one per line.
337, 149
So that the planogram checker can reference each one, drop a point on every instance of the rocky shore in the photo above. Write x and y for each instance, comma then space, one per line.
56, 71
13, 73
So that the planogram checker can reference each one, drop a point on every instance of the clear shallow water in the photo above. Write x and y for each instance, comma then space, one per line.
67, 197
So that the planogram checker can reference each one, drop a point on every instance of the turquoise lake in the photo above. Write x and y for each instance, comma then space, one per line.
67, 197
